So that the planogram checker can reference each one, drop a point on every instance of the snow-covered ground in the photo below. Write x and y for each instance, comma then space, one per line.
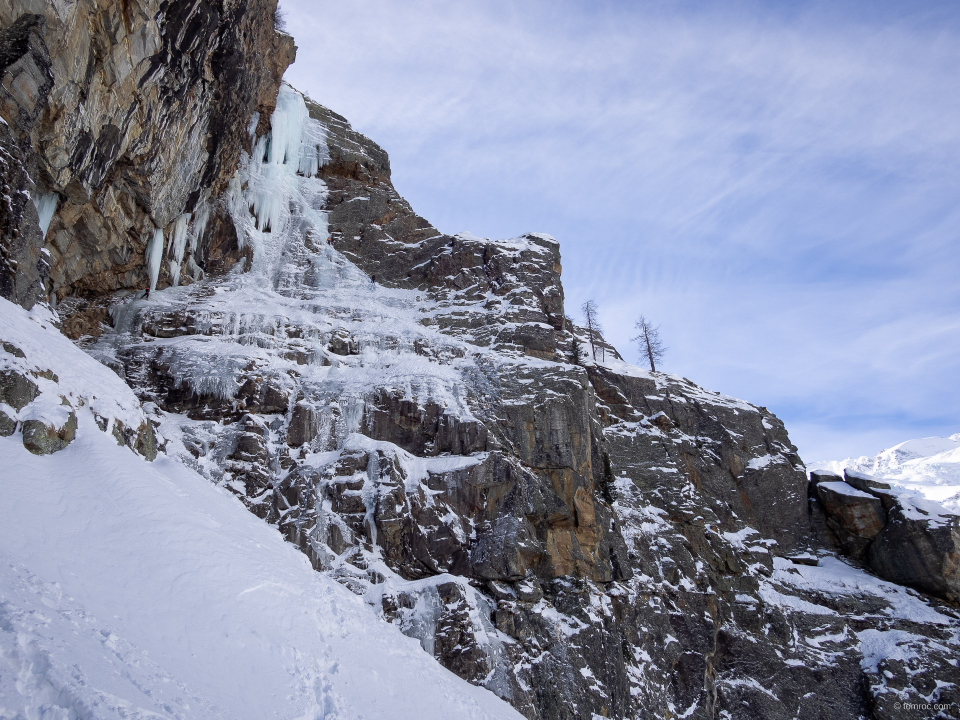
131, 589
135, 589
929, 466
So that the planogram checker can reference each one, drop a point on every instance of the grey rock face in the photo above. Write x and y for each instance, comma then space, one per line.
584, 539
26, 68
137, 113
903, 539
23, 265
736, 458
304, 426
25, 83
920, 548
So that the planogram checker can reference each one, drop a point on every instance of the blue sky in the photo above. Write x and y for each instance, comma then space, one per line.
776, 184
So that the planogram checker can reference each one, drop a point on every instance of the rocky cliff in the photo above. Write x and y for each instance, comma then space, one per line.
583, 538
129, 119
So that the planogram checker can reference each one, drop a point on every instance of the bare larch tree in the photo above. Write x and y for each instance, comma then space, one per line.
589, 309
649, 343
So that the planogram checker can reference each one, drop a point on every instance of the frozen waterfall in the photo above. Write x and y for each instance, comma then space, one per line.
275, 200
282, 192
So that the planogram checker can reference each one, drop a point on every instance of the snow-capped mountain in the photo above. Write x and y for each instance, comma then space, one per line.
928, 466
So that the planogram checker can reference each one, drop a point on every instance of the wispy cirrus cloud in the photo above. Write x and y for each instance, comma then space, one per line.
776, 183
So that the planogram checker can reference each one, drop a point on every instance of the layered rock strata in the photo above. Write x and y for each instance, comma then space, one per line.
135, 115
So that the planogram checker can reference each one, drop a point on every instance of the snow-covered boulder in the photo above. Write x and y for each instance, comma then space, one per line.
819, 476
869, 484
45, 381
46, 438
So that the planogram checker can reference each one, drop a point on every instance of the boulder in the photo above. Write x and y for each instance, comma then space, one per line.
7, 425
865, 482
17, 390
819, 476
920, 547
42, 438
870, 484
855, 517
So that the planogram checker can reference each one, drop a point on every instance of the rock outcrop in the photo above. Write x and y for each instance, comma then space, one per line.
854, 516
584, 538
43, 387
135, 115
920, 547
903, 538
24, 266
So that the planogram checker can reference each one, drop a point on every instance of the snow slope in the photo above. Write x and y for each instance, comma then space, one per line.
139, 590
60, 370
928, 466
135, 589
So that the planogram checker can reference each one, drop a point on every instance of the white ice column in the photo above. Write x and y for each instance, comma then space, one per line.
154, 257
178, 245
46, 207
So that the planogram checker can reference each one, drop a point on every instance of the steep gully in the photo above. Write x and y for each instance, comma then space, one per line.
582, 540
